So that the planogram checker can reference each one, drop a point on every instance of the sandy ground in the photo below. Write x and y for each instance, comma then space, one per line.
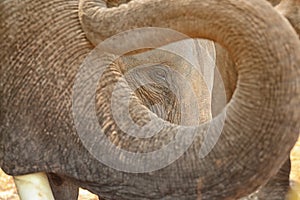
295, 155
8, 190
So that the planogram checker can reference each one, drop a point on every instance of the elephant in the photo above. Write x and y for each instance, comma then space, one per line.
36, 97
277, 187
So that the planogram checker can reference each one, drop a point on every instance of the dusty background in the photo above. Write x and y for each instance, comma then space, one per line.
8, 191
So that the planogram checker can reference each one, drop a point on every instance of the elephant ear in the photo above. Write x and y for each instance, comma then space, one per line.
262, 119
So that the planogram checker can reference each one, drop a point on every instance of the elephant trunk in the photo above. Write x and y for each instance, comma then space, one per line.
262, 118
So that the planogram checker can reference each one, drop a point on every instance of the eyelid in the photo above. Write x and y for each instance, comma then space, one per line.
159, 72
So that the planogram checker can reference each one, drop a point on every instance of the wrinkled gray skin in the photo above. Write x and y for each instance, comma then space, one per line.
35, 118
278, 186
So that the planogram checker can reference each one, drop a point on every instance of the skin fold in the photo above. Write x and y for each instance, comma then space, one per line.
40, 63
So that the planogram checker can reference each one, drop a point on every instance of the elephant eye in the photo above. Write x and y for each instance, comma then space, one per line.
159, 73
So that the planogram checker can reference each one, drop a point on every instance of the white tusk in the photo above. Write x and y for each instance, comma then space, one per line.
33, 186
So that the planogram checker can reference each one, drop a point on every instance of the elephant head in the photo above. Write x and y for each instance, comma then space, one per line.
259, 116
